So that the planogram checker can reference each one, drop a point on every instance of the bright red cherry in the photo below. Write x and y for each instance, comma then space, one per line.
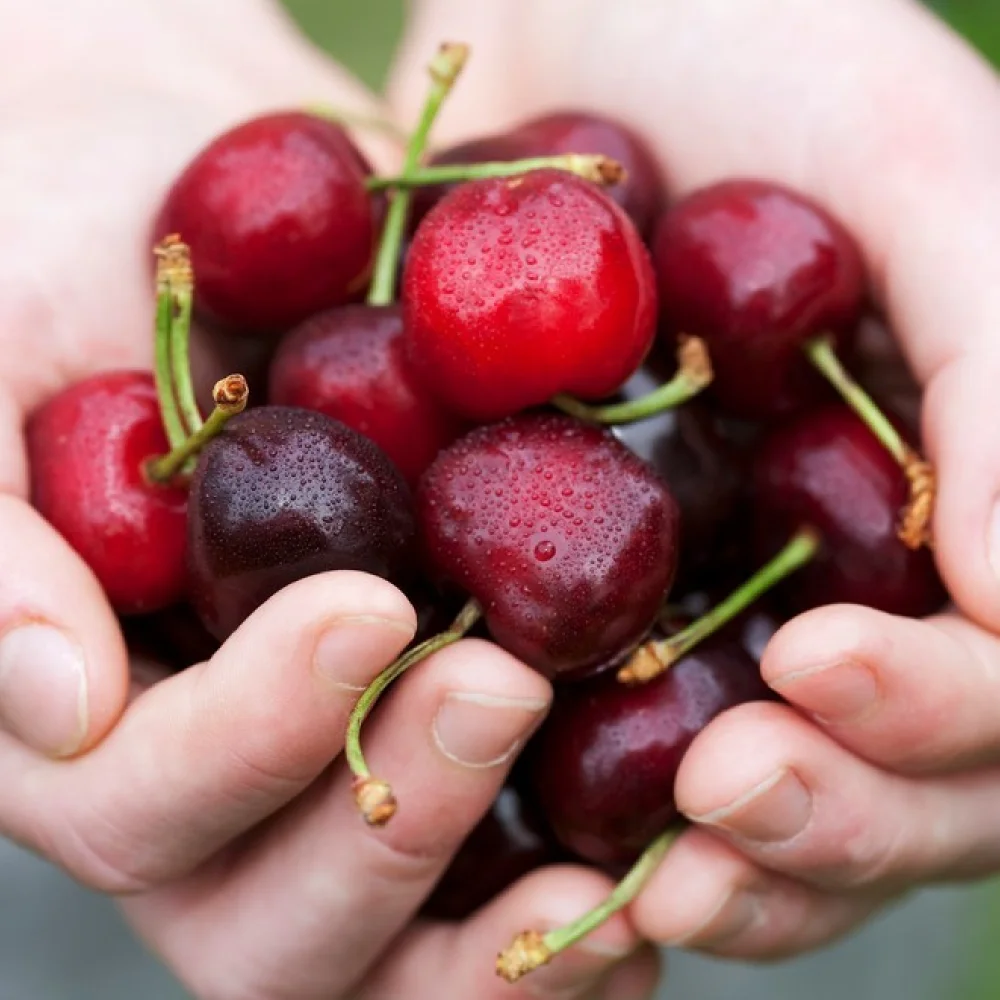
87, 448
350, 364
278, 220
825, 469
566, 539
755, 270
518, 289
606, 758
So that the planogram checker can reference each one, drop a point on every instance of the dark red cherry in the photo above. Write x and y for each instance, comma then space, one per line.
87, 448
282, 494
606, 758
517, 289
350, 364
510, 841
826, 469
566, 539
278, 220
755, 270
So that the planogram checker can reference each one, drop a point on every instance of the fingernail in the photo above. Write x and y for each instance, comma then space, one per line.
735, 914
353, 650
484, 730
845, 691
43, 689
993, 539
776, 810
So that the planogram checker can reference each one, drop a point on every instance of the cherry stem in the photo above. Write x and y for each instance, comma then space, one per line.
653, 658
230, 395
694, 373
444, 71
531, 949
914, 526
599, 169
352, 119
374, 797
168, 262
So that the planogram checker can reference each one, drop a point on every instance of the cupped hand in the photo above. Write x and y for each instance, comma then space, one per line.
883, 770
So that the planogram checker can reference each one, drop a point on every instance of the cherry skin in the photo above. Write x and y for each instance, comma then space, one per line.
827, 470
282, 494
350, 364
510, 841
606, 758
517, 289
87, 449
755, 270
566, 539
278, 220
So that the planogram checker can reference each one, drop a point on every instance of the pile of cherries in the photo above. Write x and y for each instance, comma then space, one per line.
605, 422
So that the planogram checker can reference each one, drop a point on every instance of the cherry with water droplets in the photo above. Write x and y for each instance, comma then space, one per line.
278, 220
519, 289
87, 450
825, 470
284, 493
350, 364
566, 539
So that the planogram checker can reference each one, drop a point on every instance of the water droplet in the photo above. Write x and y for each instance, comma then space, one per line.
545, 550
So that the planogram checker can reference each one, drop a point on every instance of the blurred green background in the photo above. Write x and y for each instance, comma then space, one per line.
363, 36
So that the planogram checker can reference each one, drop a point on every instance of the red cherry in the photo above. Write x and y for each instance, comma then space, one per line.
518, 289
755, 269
87, 448
349, 363
606, 759
278, 220
825, 469
566, 539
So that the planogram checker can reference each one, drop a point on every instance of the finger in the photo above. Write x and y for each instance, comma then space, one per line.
708, 896
542, 900
445, 738
204, 755
797, 803
914, 696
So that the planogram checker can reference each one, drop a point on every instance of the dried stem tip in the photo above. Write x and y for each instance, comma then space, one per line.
231, 394
173, 262
694, 361
596, 168
650, 660
915, 522
524, 954
448, 62
375, 800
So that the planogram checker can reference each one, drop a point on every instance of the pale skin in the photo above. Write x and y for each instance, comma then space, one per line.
215, 803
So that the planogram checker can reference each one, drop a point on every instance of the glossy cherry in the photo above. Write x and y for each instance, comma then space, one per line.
510, 841
755, 270
278, 220
566, 539
518, 289
350, 364
87, 448
606, 759
284, 493
825, 469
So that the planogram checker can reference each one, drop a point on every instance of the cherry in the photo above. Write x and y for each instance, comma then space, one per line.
173, 637
565, 538
825, 470
510, 841
606, 758
278, 220
519, 289
283, 493
755, 270
349, 363
87, 450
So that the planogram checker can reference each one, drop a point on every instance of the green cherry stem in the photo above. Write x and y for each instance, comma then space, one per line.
599, 169
168, 263
653, 658
531, 949
694, 373
230, 396
374, 797
444, 70
180, 353
914, 527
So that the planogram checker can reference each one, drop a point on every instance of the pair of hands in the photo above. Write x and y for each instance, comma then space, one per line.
213, 802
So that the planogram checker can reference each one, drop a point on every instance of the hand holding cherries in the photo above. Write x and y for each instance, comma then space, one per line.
481, 439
